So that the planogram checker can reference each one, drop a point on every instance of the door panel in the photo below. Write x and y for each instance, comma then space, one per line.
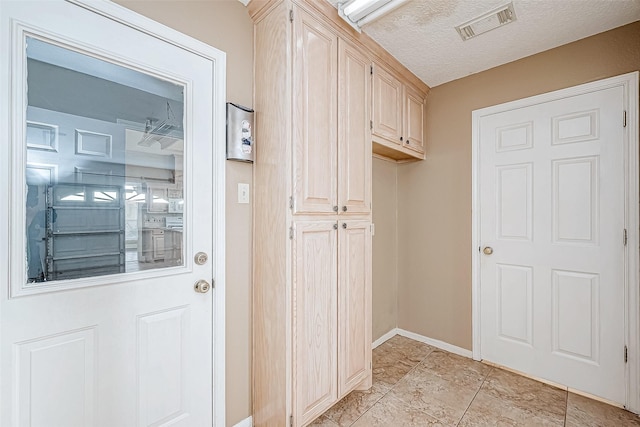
101, 347
515, 302
414, 120
315, 62
354, 133
387, 105
47, 365
552, 208
354, 304
315, 318
162, 347
575, 323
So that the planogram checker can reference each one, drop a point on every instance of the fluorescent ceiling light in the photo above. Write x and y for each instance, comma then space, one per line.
360, 12
491, 20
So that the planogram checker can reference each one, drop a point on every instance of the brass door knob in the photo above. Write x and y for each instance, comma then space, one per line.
488, 250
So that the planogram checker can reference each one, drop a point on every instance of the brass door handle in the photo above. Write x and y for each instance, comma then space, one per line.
488, 250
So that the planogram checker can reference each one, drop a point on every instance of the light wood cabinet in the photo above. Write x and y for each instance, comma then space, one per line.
312, 209
315, 62
332, 320
315, 286
398, 117
354, 132
332, 139
387, 105
354, 305
413, 120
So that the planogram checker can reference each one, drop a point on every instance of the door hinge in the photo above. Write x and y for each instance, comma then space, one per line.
290, 15
626, 354
624, 119
291, 202
624, 237
290, 420
290, 233
371, 69
370, 124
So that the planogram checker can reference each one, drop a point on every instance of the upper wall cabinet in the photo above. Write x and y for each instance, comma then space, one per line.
413, 120
398, 117
387, 106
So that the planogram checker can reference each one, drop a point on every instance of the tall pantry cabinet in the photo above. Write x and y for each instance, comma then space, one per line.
312, 211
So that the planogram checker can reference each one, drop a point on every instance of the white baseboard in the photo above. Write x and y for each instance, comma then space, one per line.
392, 333
247, 422
436, 343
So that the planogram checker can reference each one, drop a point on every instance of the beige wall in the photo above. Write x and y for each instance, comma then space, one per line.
422, 256
385, 247
225, 25
434, 198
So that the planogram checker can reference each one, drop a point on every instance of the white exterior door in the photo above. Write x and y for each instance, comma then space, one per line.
91, 332
552, 219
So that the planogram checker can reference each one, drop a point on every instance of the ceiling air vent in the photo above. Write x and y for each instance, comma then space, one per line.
493, 19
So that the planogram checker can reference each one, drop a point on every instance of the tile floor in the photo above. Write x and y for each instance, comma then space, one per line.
415, 384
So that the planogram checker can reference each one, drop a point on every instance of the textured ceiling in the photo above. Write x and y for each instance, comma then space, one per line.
421, 33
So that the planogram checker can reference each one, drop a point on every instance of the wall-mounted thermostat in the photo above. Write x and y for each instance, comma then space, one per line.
240, 142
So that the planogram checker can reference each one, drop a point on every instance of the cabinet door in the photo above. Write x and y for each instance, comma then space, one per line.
157, 241
315, 278
354, 305
315, 62
414, 120
387, 105
354, 133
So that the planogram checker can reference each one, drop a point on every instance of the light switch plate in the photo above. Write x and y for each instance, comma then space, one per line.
243, 193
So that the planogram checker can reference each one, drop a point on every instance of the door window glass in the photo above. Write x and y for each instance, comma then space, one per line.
104, 167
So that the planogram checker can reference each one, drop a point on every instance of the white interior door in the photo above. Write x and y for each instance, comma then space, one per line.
552, 212
102, 123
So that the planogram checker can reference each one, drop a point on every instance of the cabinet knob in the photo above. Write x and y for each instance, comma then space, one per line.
335, 226
344, 209
344, 225
335, 208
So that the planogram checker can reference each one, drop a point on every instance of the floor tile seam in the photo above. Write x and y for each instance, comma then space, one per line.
474, 396
370, 408
391, 387
419, 363
396, 397
413, 368
406, 357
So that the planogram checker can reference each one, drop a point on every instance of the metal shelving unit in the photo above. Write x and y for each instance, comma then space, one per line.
85, 231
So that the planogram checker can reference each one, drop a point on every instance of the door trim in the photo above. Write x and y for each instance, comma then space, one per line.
132, 19
629, 83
